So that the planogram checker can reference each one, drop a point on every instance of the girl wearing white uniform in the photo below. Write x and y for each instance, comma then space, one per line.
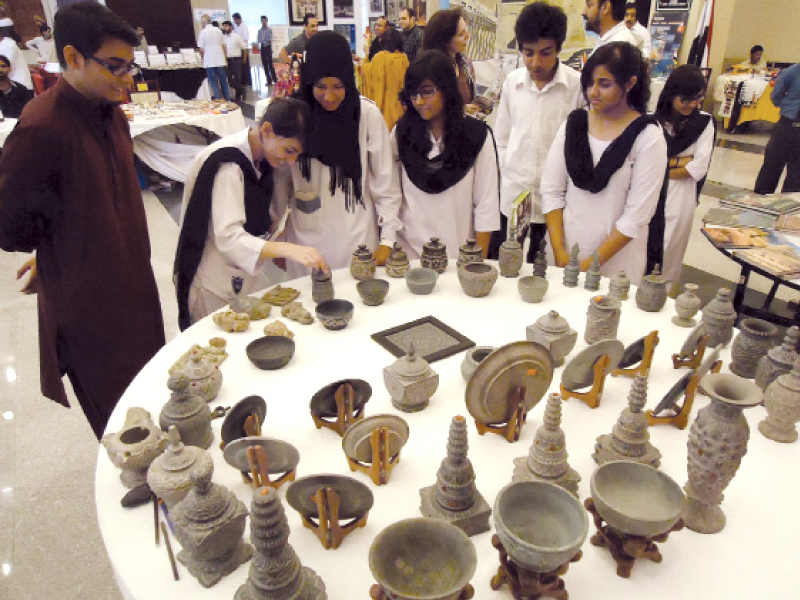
447, 162
690, 142
347, 191
226, 216
605, 170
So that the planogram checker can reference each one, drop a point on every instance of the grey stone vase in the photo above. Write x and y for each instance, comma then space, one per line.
718, 319
188, 413
754, 340
510, 258
469, 253
686, 306
651, 295
602, 319
778, 360
782, 401
170, 475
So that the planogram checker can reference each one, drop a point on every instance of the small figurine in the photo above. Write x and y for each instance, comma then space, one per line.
231, 322
572, 270
296, 312
540, 262
278, 327
256, 308
592, 282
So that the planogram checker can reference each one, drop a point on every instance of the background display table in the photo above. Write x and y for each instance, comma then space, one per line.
753, 557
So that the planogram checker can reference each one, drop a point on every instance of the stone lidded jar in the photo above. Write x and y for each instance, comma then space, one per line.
778, 360
619, 286
602, 319
397, 264
203, 378
411, 381
188, 413
477, 279
434, 255
469, 253
554, 333
754, 340
718, 319
362, 265
651, 295
782, 401
135, 446
321, 285
170, 474
510, 258
687, 305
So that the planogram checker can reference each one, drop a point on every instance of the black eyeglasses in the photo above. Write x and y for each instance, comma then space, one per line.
118, 70
425, 93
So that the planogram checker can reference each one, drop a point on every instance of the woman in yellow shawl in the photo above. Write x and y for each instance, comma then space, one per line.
384, 76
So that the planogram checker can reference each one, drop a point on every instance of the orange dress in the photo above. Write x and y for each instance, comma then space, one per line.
383, 81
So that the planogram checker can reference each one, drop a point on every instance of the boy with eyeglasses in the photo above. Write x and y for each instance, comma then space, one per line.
69, 192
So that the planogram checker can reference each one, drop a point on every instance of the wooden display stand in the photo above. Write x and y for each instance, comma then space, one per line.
258, 461
513, 427
625, 549
643, 368
592, 397
382, 463
526, 584
693, 360
681, 417
345, 415
376, 593
328, 529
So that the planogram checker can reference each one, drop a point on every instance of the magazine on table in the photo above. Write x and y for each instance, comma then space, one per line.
789, 224
773, 204
781, 261
737, 237
738, 217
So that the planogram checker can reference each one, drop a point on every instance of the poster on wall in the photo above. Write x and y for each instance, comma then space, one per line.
348, 32
667, 30
280, 37
674, 5
342, 9
217, 14
375, 8
299, 8
393, 12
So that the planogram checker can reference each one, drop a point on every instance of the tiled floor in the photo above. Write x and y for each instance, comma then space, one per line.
50, 546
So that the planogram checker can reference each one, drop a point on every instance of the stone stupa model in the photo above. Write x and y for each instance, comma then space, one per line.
454, 497
573, 269
593, 276
629, 439
547, 457
276, 572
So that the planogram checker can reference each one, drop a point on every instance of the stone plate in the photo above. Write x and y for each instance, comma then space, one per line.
633, 354
579, 372
355, 498
355, 441
503, 370
690, 345
673, 394
282, 457
233, 425
323, 403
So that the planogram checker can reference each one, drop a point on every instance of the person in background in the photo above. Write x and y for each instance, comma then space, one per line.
347, 191
447, 32
298, 44
412, 34
447, 162
381, 27
234, 50
212, 47
535, 100
604, 173
639, 31
783, 148
143, 46
690, 141
44, 45
226, 216
756, 64
605, 18
265, 42
13, 96
8, 48
383, 77
241, 29
69, 192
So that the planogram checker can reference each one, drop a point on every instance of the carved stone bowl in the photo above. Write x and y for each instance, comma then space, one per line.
282, 457
355, 498
422, 559
421, 280
636, 499
335, 314
270, 352
372, 291
540, 524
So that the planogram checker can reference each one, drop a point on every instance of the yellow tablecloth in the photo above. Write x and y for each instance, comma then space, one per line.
762, 110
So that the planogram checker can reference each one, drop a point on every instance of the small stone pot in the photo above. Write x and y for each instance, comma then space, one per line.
321, 285
602, 319
477, 279
687, 305
373, 291
651, 295
619, 285
510, 258
755, 339
421, 280
469, 253
532, 288
434, 256
472, 358
397, 264
362, 265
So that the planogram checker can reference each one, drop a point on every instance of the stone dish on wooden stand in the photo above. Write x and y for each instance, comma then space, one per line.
373, 446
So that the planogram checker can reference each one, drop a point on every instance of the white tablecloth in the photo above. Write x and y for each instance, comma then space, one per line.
6, 127
753, 557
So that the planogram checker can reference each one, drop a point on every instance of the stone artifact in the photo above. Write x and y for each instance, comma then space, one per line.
454, 497
281, 459
280, 296
231, 322
373, 291
573, 269
651, 295
256, 308
416, 559
189, 413
547, 457
138, 496
602, 319
472, 358
270, 352
532, 288
477, 279
782, 401
687, 305
411, 381
717, 443
296, 312
372, 445
718, 319
278, 327
202, 377
397, 263
434, 256
209, 524
778, 360
340, 404
362, 265
276, 571
579, 372
554, 333
510, 258
593, 276
619, 285
540, 261
214, 354
629, 439
321, 285
469, 253
169, 477
755, 339
135, 446
421, 280
335, 314
235, 425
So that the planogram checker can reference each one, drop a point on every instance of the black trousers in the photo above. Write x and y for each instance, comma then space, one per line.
536, 233
246, 77
269, 67
235, 78
783, 150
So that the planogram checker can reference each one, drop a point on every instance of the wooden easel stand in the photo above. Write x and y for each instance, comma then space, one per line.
643, 368
681, 417
513, 427
329, 529
345, 415
382, 462
592, 397
258, 461
693, 360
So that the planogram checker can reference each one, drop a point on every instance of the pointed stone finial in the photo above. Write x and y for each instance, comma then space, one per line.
637, 397
593, 276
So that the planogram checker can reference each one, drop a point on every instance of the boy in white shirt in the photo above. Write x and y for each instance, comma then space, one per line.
234, 49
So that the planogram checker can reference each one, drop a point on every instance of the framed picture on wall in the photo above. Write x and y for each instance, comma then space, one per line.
375, 8
342, 9
393, 12
299, 8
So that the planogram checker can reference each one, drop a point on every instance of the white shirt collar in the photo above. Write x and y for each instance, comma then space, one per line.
613, 31
560, 78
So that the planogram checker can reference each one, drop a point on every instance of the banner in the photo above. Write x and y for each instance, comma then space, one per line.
667, 29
